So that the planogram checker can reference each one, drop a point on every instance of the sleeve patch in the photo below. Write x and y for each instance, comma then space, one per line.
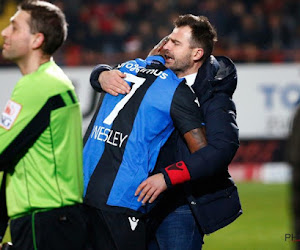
10, 114
178, 173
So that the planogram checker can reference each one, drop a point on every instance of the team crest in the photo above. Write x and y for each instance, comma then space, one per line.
10, 114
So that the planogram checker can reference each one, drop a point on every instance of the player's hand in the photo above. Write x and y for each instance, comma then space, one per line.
157, 50
150, 188
113, 82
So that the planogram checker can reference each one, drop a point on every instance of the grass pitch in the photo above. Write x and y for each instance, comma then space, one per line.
266, 218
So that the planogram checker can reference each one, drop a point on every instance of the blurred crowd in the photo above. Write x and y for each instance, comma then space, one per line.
112, 31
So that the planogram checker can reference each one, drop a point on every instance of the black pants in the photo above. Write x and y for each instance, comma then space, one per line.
57, 229
109, 230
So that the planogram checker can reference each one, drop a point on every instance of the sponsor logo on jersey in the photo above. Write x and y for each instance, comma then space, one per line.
137, 68
10, 114
114, 138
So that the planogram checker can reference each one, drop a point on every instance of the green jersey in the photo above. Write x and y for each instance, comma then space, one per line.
41, 143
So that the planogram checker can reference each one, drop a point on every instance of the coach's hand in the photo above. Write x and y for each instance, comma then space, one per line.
151, 188
113, 83
158, 48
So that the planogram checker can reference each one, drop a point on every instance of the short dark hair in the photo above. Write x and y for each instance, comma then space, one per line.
48, 19
204, 34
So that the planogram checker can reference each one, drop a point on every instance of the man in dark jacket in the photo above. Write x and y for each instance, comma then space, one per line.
201, 197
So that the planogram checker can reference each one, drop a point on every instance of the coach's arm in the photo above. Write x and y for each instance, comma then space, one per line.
154, 185
105, 78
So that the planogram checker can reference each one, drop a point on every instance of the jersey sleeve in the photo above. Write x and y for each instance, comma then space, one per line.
185, 111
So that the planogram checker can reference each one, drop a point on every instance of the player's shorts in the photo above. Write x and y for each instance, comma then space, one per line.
111, 230
60, 229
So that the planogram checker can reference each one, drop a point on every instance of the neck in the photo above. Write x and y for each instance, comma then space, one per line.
32, 63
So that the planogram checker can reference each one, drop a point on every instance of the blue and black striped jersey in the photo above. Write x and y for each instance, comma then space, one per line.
127, 132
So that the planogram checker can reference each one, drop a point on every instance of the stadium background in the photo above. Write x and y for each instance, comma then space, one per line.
263, 39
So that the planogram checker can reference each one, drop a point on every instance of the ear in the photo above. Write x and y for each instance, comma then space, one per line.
198, 54
38, 40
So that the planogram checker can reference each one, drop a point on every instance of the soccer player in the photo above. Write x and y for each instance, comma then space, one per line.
208, 200
40, 134
122, 145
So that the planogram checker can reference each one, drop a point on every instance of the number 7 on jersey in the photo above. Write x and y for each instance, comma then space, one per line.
138, 81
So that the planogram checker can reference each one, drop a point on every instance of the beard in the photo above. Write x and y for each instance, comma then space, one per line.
180, 65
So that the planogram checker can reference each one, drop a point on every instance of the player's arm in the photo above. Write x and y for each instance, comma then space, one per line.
195, 139
104, 78
188, 120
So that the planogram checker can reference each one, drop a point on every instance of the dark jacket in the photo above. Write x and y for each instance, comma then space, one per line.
211, 192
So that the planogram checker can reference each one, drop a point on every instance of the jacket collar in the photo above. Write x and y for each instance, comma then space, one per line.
217, 74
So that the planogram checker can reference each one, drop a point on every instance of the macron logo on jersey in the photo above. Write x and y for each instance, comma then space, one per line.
10, 114
133, 222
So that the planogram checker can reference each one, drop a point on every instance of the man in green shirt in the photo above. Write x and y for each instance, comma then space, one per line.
40, 134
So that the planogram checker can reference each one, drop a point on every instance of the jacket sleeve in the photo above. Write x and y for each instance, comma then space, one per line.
222, 138
95, 76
